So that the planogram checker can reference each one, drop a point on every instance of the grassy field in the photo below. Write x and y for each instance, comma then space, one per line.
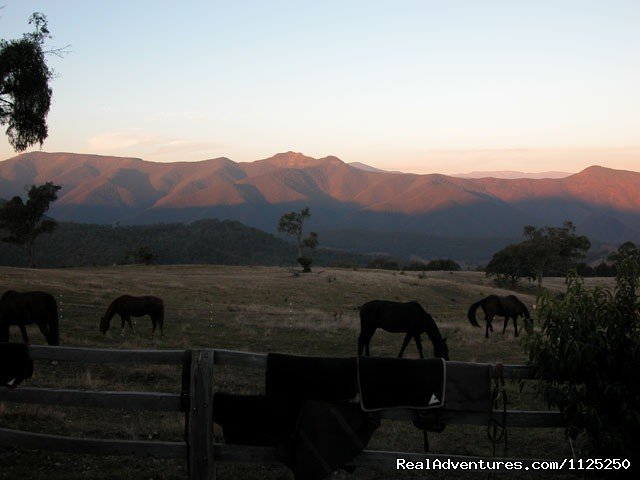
258, 309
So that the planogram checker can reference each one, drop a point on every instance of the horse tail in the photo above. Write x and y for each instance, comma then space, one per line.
53, 320
471, 314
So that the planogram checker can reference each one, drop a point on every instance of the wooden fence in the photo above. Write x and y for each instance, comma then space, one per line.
195, 401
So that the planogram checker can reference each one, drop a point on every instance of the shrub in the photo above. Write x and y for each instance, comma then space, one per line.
383, 263
443, 264
587, 357
306, 263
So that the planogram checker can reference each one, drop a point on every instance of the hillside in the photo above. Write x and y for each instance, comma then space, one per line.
206, 241
132, 191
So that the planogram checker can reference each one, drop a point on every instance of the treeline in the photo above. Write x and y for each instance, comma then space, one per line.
211, 241
387, 263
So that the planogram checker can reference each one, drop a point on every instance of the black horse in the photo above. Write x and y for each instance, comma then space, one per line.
409, 318
25, 308
507, 307
128, 306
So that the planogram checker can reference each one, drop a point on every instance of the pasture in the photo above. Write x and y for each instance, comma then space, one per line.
258, 309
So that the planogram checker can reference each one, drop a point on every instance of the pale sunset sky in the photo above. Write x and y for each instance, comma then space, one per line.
418, 86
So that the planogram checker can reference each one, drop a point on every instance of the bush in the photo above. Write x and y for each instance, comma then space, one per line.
443, 264
306, 263
416, 267
587, 356
384, 263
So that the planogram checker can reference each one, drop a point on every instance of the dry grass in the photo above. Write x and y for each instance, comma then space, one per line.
257, 309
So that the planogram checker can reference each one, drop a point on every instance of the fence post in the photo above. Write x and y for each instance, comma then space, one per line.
200, 428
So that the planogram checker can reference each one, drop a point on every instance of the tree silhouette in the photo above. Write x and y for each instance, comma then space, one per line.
24, 221
292, 223
25, 95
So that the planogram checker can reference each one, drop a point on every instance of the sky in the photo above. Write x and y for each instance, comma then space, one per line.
419, 86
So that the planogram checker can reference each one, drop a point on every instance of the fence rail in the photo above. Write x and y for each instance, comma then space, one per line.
199, 449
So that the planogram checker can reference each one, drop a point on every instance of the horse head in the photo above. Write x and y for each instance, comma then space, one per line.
441, 350
104, 325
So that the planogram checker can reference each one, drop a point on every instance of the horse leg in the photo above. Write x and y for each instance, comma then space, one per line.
131, 324
122, 322
488, 325
363, 342
416, 337
407, 338
154, 323
515, 325
506, 322
23, 330
44, 328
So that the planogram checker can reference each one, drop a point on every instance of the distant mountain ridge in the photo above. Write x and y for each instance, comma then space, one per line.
603, 203
513, 174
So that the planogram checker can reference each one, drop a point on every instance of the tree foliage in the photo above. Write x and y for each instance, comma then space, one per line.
587, 356
24, 222
444, 264
292, 223
25, 95
383, 263
545, 251
554, 250
141, 254
509, 265
625, 250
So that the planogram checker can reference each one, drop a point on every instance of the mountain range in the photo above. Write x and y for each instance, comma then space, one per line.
603, 203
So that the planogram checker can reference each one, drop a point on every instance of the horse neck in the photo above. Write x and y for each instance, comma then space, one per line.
111, 311
432, 331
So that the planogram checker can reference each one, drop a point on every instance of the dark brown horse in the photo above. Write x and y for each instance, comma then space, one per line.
26, 308
127, 306
507, 307
409, 318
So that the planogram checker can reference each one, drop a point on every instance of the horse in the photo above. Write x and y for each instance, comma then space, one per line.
397, 317
26, 308
128, 306
507, 307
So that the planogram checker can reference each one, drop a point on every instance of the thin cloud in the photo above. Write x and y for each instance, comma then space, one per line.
153, 147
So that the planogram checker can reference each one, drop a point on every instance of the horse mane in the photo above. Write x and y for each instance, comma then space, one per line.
524, 309
432, 330
111, 310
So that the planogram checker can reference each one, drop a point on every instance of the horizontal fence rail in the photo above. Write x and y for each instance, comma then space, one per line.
96, 446
106, 355
259, 360
174, 357
151, 401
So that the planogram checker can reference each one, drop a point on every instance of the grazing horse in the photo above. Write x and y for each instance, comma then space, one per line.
25, 308
395, 317
507, 307
127, 306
